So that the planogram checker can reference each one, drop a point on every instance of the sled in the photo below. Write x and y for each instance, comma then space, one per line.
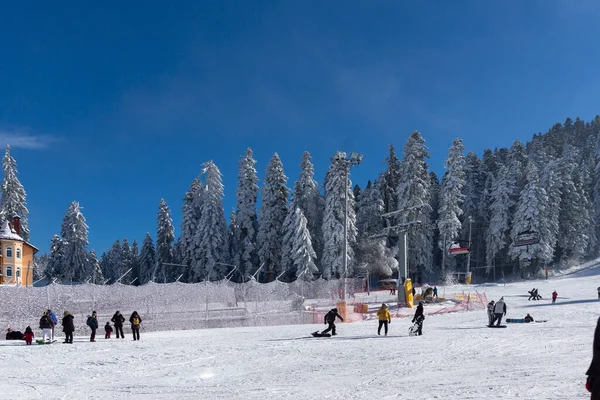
317, 334
40, 341
496, 326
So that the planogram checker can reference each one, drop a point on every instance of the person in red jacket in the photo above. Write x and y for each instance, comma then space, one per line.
28, 335
554, 296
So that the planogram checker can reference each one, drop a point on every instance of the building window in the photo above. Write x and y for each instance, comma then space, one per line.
9, 272
18, 253
9, 252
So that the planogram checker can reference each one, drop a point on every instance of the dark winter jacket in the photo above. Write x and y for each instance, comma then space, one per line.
67, 323
593, 371
92, 322
46, 322
419, 316
132, 319
331, 315
14, 335
118, 319
108, 328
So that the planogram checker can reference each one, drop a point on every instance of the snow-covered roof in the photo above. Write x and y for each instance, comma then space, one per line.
7, 233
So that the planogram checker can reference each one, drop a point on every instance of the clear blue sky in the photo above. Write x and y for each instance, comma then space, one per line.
117, 104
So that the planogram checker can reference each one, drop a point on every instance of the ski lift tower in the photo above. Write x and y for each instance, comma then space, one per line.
401, 231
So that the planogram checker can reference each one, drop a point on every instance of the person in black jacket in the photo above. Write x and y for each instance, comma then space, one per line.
330, 319
593, 372
135, 320
92, 322
118, 320
68, 326
46, 326
14, 335
419, 318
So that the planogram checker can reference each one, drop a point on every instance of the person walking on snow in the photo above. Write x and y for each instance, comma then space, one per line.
92, 322
419, 318
330, 319
28, 335
593, 380
499, 311
385, 318
68, 326
46, 326
107, 330
435, 291
118, 319
554, 296
135, 320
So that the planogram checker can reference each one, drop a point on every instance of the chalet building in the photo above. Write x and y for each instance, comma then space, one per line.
16, 260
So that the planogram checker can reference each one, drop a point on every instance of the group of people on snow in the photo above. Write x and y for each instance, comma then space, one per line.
48, 322
533, 294
495, 312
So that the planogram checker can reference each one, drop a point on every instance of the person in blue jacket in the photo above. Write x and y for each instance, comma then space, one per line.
54, 321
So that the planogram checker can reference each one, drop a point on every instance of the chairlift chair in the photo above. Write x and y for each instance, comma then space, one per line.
459, 247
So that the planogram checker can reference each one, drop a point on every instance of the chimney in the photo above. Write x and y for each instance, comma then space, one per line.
17, 224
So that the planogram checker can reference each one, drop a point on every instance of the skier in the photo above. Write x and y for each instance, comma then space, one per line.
593, 380
118, 320
499, 310
92, 322
537, 295
107, 330
330, 319
419, 318
135, 320
54, 321
554, 296
28, 335
68, 326
490, 310
385, 318
46, 326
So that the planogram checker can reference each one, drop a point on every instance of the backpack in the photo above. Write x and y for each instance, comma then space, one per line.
89, 322
136, 321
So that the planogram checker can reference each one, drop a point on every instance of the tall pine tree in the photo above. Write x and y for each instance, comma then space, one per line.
13, 200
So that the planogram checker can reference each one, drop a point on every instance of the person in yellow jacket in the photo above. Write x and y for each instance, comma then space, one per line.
385, 318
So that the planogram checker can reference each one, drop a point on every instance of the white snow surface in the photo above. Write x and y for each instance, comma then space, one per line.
457, 357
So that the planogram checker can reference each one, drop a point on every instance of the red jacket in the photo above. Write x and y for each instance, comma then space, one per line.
28, 336
554, 295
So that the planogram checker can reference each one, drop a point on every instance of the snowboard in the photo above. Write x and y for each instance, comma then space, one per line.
317, 334
516, 321
496, 326
40, 341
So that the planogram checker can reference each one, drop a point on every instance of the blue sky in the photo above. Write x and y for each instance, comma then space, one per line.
117, 104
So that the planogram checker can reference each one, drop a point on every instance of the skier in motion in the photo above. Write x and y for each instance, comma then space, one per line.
330, 319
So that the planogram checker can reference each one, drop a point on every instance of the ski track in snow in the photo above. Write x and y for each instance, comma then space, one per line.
457, 357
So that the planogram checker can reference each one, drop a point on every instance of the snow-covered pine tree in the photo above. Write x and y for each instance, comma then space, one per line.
96, 277
74, 232
246, 257
473, 191
111, 262
126, 266
434, 203
189, 224
40, 266
165, 235
211, 237
233, 243
530, 216
550, 180
303, 255
147, 260
13, 200
392, 176
497, 238
271, 216
414, 190
288, 231
54, 268
451, 197
338, 188
135, 259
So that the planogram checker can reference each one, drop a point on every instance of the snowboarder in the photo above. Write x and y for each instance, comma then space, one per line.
537, 295
531, 294
135, 320
330, 319
54, 321
499, 311
92, 322
13, 335
593, 372
419, 318
528, 318
68, 326
490, 310
118, 320
107, 330
46, 326
385, 318
28, 335
554, 296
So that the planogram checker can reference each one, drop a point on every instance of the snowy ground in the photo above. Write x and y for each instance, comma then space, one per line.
458, 357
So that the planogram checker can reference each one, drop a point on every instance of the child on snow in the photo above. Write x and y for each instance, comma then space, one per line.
330, 319
29, 335
554, 296
385, 318
419, 318
107, 330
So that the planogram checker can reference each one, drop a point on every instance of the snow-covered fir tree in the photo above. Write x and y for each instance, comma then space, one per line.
126, 265
40, 266
110, 262
211, 237
54, 268
497, 235
246, 257
135, 259
414, 195
74, 233
451, 196
303, 255
147, 261
190, 218
95, 268
13, 200
338, 189
271, 216
165, 235
392, 176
